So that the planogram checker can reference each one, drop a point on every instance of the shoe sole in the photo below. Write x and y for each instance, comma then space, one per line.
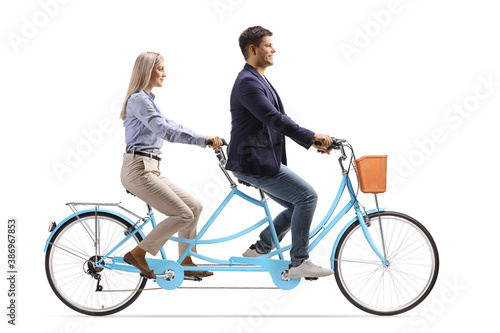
310, 276
199, 274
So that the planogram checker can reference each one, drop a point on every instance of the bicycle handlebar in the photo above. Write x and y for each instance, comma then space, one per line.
209, 142
218, 152
337, 144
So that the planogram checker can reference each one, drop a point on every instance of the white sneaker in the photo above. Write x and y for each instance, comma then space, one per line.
252, 252
308, 269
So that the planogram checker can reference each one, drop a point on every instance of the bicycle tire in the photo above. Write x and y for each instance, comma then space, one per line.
69, 269
387, 289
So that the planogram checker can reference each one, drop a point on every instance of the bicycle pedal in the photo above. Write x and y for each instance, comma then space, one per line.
311, 278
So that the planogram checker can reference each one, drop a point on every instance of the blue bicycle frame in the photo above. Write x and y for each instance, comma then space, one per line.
262, 263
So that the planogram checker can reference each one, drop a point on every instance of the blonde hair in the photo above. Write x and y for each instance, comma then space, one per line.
141, 75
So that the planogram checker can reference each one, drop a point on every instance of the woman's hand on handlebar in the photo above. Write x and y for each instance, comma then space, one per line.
214, 142
324, 141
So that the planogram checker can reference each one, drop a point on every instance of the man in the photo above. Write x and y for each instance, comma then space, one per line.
257, 155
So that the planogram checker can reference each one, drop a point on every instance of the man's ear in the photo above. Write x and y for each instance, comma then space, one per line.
252, 49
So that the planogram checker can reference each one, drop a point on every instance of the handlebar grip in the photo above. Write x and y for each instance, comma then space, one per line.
209, 142
337, 143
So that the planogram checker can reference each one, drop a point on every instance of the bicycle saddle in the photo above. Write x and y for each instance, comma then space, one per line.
246, 183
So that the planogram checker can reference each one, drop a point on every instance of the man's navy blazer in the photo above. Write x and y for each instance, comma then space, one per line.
259, 126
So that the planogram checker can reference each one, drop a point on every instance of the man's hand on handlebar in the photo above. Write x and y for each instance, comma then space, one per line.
322, 142
214, 142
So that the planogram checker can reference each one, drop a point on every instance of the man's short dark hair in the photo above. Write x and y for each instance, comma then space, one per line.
252, 36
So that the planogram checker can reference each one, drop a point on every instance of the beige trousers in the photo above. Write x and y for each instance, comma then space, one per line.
141, 176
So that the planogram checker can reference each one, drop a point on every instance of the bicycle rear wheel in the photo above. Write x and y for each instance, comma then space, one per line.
69, 265
412, 270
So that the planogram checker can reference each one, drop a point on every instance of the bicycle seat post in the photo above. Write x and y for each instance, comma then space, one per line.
262, 195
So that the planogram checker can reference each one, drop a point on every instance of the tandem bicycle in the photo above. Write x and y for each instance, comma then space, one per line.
384, 262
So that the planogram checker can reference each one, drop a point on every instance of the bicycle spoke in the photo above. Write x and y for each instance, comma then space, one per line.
78, 255
371, 262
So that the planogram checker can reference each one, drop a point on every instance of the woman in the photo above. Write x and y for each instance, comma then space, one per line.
145, 129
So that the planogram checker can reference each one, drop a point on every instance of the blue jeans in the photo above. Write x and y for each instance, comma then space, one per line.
299, 198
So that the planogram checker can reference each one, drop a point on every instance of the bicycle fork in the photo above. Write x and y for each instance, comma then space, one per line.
368, 237
362, 223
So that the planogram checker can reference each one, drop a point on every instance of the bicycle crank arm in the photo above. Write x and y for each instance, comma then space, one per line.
168, 275
193, 278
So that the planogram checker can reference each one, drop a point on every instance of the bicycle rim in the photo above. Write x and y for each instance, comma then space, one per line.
387, 289
70, 272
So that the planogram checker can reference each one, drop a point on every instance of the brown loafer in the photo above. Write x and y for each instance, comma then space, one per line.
129, 259
189, 262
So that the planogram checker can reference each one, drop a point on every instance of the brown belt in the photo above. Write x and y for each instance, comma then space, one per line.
146, 154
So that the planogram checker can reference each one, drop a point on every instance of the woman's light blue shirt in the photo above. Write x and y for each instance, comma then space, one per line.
146, 127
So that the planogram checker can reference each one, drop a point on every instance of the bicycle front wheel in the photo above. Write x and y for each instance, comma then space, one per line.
408, 277
69, 265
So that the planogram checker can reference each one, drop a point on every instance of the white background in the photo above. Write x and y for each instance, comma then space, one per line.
66, 66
